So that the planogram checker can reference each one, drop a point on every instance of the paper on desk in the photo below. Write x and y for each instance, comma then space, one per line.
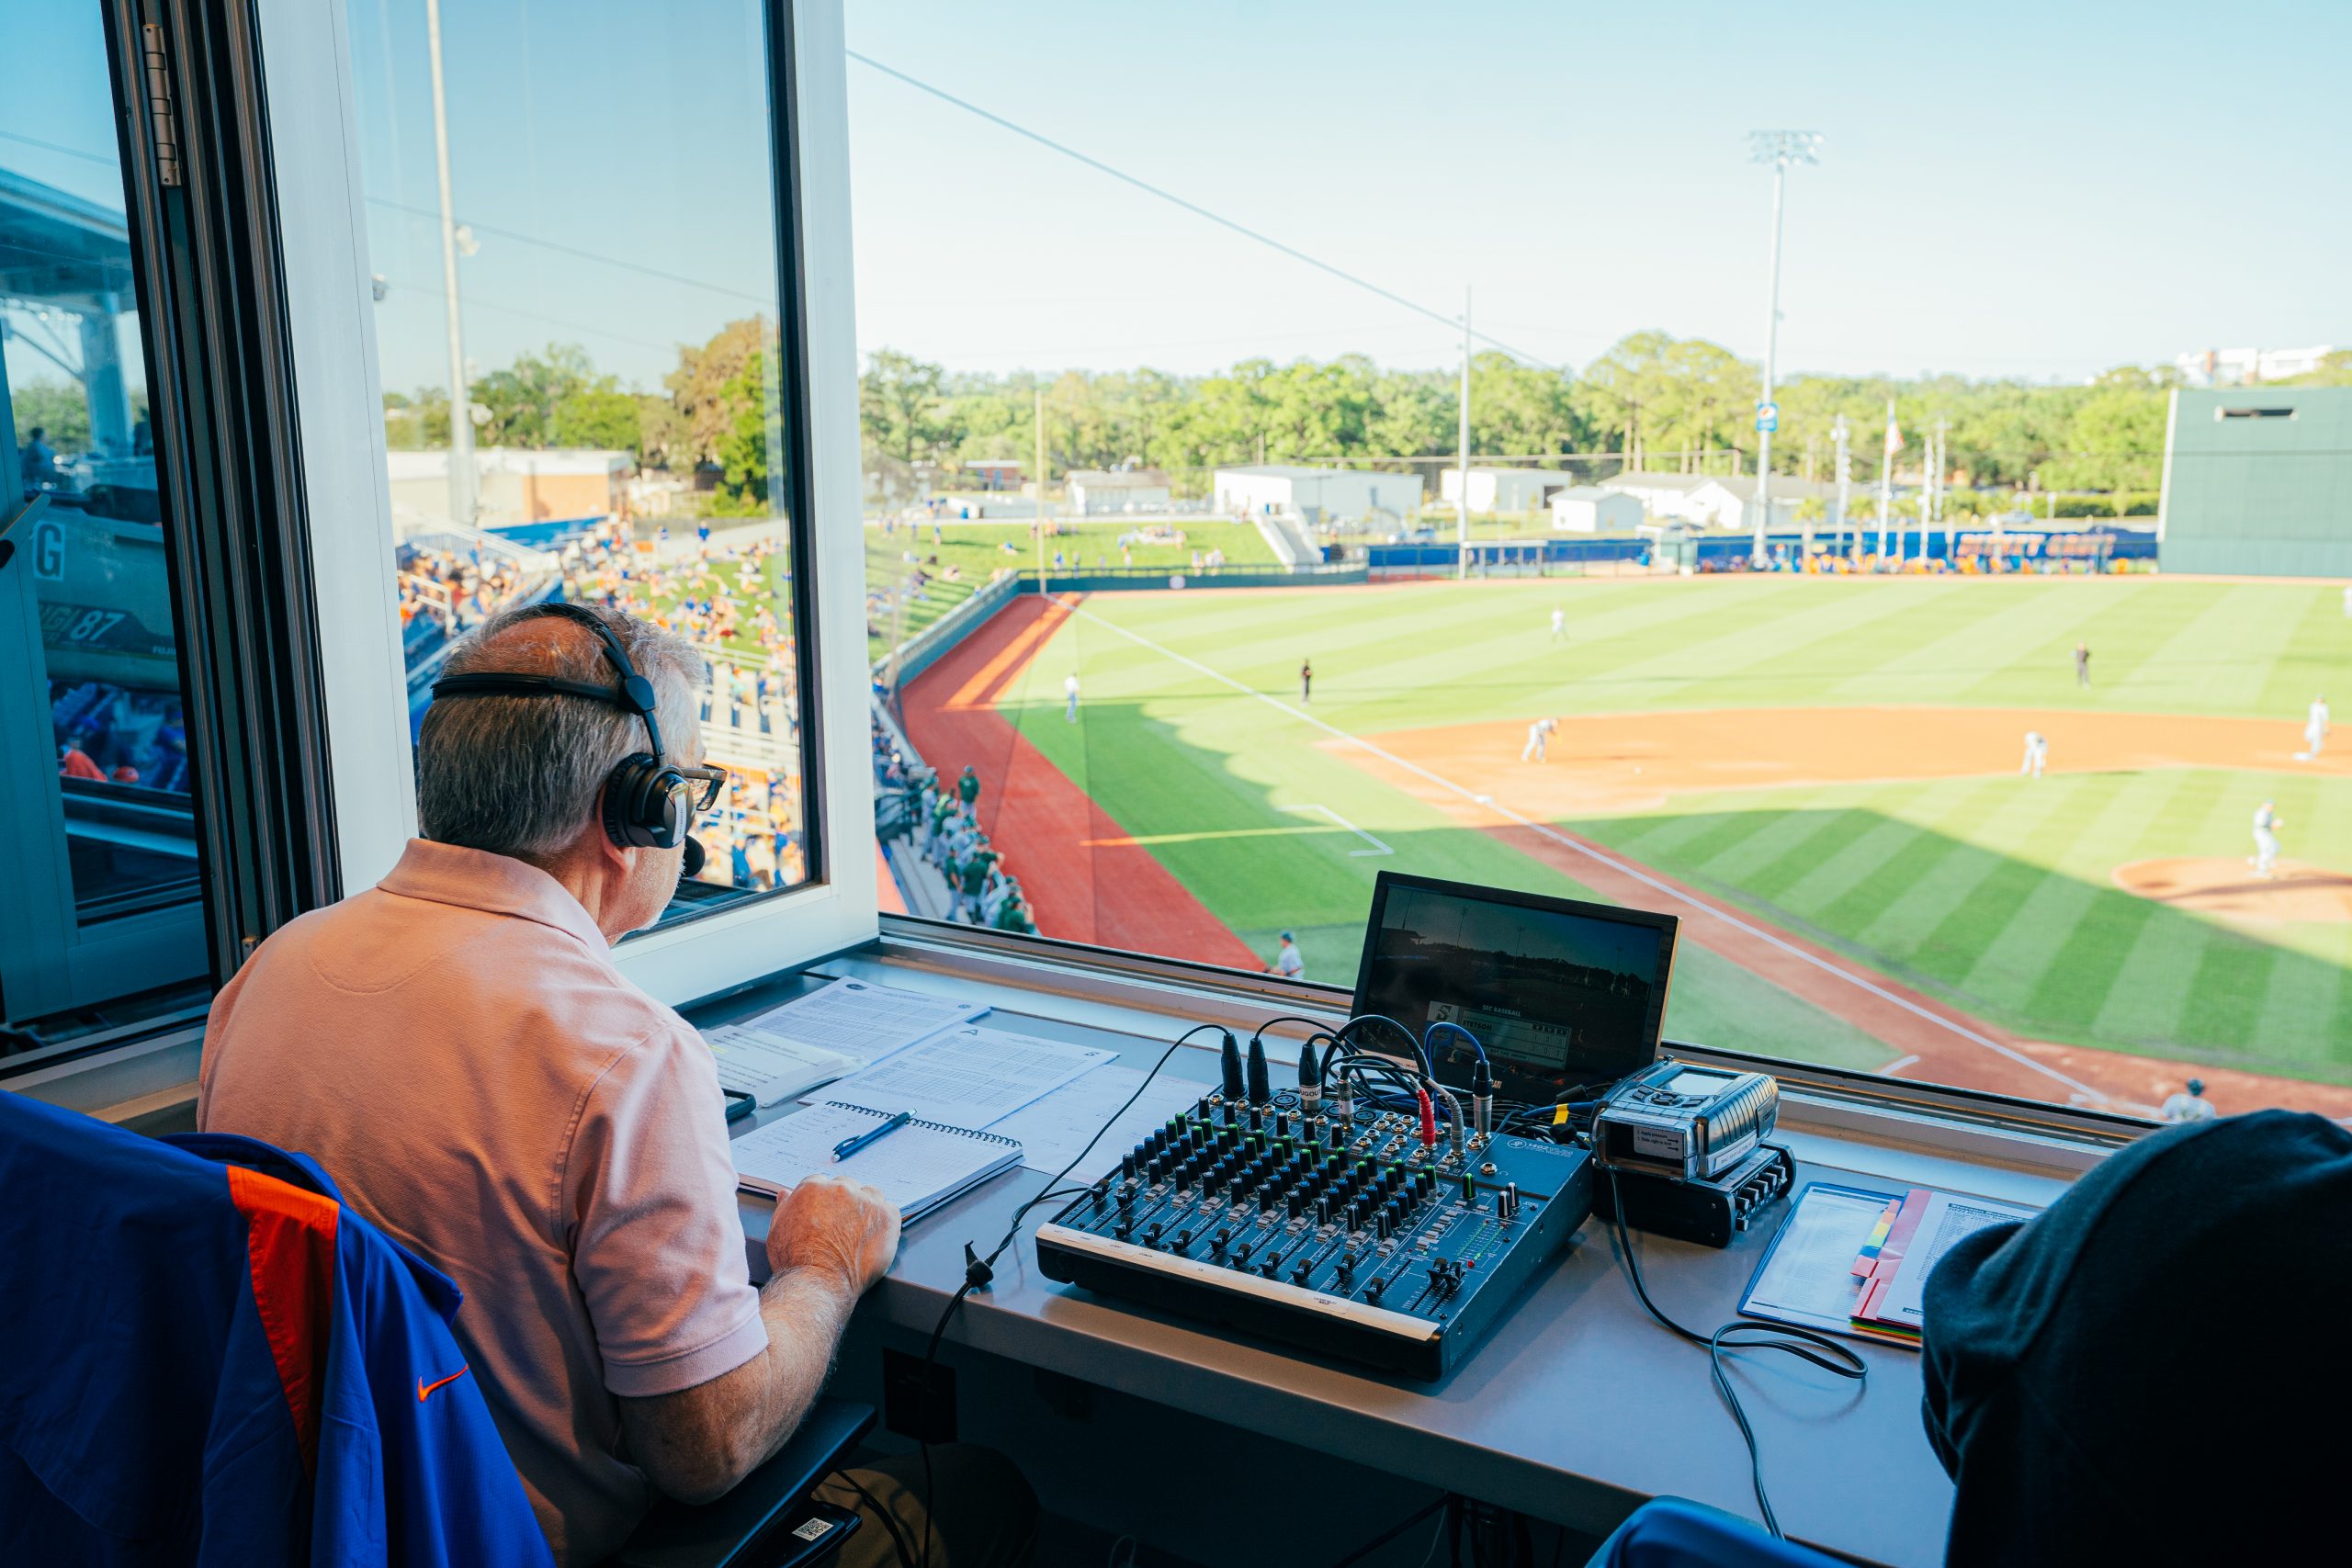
969, 1076
770, 1067
1947, 1220
1809, 1277
1052, 1130
862, 1019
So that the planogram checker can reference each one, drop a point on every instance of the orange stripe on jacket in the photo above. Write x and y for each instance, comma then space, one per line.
289, 1245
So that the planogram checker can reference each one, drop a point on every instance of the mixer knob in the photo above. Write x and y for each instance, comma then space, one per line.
1300, 1271
1372, 1287
1151, 1233
1271, 1264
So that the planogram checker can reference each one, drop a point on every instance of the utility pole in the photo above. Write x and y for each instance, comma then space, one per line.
461, 414
1943, 462
1927, 495
1038, 420
1886, 475
1845, 482
1780, 149
1462, 486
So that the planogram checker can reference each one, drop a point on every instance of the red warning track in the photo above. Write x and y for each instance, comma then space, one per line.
1084, 883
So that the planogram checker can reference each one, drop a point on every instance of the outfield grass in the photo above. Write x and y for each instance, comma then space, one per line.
1994, 893
978, 550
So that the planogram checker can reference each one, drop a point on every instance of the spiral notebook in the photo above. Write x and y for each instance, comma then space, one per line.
919, 1168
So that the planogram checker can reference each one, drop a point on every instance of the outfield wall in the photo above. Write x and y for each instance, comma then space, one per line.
2017, 548
2259, 482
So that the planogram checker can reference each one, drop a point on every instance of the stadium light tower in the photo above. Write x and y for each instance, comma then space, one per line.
1780, 149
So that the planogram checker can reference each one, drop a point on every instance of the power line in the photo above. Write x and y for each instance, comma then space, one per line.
1193, 207
560, 248
57, 147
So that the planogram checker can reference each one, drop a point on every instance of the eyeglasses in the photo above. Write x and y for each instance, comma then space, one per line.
702, 787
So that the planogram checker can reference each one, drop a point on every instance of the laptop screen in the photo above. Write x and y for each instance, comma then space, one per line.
1562, 994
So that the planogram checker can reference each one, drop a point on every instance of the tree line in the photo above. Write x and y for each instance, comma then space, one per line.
1652, 401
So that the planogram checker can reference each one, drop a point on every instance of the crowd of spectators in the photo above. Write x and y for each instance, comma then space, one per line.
716, 595
108, 735
455, 592
942, 823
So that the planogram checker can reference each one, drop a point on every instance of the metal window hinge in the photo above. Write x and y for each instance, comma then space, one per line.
162, 120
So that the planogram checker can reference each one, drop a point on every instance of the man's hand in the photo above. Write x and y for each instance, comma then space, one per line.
828, 1242
838, 1226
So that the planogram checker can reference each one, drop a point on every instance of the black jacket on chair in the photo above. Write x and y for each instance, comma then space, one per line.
2152, 1372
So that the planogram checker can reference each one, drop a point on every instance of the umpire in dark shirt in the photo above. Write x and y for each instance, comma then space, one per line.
2148, 1373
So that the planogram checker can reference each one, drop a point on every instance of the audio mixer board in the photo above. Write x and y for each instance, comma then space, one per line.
1359, 1238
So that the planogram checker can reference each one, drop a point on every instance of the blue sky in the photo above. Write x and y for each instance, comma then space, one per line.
2039, 190
2005, 189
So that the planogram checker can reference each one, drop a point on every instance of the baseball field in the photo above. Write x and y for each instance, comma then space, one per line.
1821, 776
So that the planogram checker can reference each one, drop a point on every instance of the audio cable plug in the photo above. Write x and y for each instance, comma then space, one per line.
1429, 1118
1260, 1090
1230, 1062
1482, 1100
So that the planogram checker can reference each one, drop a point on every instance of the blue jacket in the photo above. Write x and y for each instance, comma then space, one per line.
206, 1359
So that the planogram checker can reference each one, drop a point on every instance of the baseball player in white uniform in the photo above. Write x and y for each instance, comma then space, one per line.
1537, 734
1560, 626
2266, 823
2315, 725
1070, 695
2037, 753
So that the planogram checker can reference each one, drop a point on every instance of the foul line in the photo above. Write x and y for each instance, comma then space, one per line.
1377, 847
1624, 868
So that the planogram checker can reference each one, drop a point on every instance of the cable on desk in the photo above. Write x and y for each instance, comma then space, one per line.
978, 1271
1831, 1356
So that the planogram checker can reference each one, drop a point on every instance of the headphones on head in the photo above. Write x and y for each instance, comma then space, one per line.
646, 802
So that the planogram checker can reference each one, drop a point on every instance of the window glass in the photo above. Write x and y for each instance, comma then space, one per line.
581, 210
102, 921
1928, 591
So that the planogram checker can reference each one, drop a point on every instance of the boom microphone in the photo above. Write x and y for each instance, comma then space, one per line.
694, 861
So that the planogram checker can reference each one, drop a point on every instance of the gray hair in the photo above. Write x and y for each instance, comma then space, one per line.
520, 776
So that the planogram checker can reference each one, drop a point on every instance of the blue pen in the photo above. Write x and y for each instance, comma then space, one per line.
849, 1146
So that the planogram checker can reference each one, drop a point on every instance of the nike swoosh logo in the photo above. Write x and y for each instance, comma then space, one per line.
424, 1388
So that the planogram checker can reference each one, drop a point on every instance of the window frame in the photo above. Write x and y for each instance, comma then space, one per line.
322, 197
206, 284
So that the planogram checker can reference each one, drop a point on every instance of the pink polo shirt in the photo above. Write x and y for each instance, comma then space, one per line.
456, 1048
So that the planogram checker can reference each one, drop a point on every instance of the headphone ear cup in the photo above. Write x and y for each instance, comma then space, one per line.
640, 812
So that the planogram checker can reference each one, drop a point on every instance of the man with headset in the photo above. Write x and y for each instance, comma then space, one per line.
455, 1047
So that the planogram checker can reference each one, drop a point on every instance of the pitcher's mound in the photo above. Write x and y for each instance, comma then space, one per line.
2216, 886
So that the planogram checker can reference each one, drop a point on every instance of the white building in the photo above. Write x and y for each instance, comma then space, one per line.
1662, 496
1731, 502
514, 484
1718, 500
1315, 495
1589, 509
2245, 367
1504, 490
1098, 492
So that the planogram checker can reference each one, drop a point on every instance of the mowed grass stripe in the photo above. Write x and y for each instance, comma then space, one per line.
2218, 660
1851, 891
1899, 911
2023, 945
2315, 660
1979, 634
2095, 948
